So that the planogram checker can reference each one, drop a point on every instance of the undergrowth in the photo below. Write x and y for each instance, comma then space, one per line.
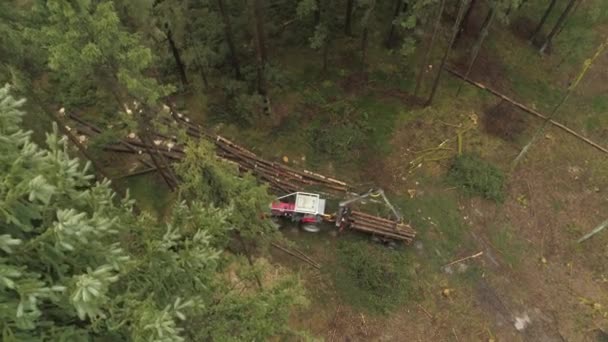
439, 223
507, 244
477, 177
371, 277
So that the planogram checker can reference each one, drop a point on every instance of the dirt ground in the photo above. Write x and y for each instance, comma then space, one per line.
536, 282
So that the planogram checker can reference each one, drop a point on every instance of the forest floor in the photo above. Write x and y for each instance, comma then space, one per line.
534, 282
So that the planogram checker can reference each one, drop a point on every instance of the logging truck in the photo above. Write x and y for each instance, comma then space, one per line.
308, 210
304, 208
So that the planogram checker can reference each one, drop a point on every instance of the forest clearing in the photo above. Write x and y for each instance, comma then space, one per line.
345, 170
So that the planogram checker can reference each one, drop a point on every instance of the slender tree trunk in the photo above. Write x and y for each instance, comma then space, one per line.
429, 49
347, 21
465, 20
523, 2
558, 24
248, 256
202, 71
100, 171
561, 28
158, 159
364, 38
484, 33
325, 54
230, 39
177, 56
260, 44
457, 23
542, 21
541, 130
317, 12
204, 76
390, 40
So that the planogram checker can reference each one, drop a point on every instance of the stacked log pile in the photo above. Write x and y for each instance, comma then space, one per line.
380, 226
281, 178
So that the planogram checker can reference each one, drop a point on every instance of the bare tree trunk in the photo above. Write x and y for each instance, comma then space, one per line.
364, 48
447, 51
558, 24
177, 56
317, 12
484, 33
429, 49
325, 54
347, 21
365, 36
390, 40
586, 66
248, 256
100, 171
203, 72
465, 20
542, 21
561, 28
201, 68
144, 130
230, 39
260, 45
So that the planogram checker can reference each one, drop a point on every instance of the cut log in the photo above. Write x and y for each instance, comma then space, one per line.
529, 110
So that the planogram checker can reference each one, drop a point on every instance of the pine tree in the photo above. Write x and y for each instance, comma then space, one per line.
89, 46
76, 263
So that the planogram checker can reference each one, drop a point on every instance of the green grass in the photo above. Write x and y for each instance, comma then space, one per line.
150, 194
439, 224
371, 277
507, 244
599, 104
476, 176
382, 114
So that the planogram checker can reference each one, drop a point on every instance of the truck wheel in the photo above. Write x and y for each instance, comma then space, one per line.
311, 228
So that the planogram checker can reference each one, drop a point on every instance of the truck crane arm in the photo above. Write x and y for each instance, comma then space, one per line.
374, 193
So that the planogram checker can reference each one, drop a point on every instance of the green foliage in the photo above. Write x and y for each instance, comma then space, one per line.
205, 178
88, 45
477, 177
507, 244
342, 134
77, 263
371, 277
436, 218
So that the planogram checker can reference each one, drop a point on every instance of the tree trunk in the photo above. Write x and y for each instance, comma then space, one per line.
561, 28
364, 48
249, 258
365, 35
429, 49
484, 33
260, 45
230, 39
176, 55
144, 130
317, 12
541, 130
347, 21
98, 169
523, 2
325, 54
158, 159
457, 23
390, 40
465, 20
204, 76
558, 24
542, 21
